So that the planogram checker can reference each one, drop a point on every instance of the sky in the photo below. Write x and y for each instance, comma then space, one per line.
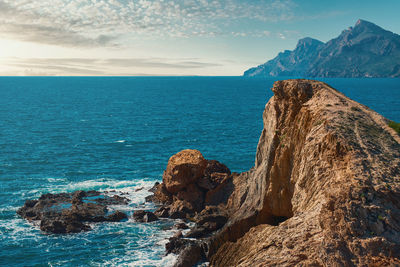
168, 37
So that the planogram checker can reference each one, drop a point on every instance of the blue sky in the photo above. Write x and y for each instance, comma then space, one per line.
175, 37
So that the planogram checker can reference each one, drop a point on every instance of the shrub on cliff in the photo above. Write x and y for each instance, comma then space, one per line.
395, 126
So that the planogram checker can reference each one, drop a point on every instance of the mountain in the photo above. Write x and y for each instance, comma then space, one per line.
365, 50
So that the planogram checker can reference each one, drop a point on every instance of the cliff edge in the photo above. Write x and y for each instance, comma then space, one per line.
324, 191
325, 188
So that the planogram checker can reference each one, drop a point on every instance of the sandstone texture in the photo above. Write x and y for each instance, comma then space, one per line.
197, 190
324, 191
191, 184
183, 169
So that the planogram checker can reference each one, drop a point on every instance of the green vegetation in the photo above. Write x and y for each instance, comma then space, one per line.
395, 126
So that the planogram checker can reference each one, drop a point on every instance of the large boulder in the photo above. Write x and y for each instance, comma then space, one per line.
184, 168
189, 183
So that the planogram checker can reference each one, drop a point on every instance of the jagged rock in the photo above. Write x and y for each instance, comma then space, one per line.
114, 200
178, 235
214, 175
325, 188
162, 212
180, 209
189, 256
117, 216
183, 169
154, 188
160, 195
67, 212
214, 166
193, 195
220, 194
189, 251
181, 226
176, 244
207, 221
144, 216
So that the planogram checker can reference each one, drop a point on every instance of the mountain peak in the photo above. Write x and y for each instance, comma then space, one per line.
363, 22
308, 41
364, 50
366, 25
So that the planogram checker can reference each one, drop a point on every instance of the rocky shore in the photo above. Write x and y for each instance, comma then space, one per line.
324, 191
65, 213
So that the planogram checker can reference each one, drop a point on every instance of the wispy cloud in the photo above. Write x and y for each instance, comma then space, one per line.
103, 22
110, 66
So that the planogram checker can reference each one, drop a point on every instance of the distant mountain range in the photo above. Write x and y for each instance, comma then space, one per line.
365, 50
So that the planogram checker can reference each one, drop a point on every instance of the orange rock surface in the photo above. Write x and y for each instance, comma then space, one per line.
184, 168
325, 188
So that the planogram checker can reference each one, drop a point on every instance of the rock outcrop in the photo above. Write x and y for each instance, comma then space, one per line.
325, 188
191, 183
70, 212
194, 189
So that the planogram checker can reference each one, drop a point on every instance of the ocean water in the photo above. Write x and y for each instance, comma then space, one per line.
68, 133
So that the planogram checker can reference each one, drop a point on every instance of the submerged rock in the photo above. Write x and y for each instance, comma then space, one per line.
144, 216
70, 212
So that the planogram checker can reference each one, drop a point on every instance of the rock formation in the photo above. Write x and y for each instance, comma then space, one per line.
190, 183
324, 191
69, 212
325, 188
365, 50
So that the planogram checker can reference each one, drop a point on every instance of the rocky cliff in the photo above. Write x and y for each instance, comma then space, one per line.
325, 188
365, 50
324, 191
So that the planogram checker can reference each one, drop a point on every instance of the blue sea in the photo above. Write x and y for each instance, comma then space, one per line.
62, 134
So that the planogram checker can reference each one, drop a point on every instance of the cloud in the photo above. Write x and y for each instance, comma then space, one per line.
109, 66
289, 34
105, 22
53, 35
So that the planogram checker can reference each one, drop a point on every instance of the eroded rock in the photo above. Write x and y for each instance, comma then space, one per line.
324, 189
196, 182
70, 212
183, 168
189, 251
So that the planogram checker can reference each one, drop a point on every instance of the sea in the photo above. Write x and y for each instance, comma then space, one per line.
61, 134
